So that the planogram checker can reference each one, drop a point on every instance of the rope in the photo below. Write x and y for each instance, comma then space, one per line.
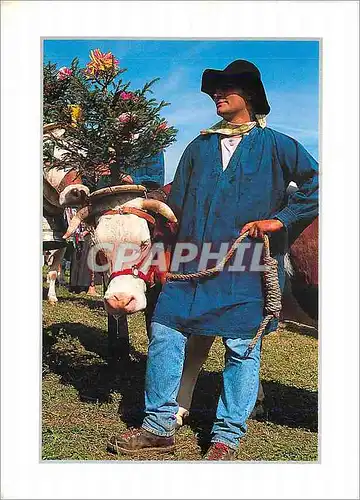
272, 289
207, 273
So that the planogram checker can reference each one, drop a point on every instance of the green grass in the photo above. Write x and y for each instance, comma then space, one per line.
84, 401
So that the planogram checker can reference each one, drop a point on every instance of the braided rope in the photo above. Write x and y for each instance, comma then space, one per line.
272, 289
206, 273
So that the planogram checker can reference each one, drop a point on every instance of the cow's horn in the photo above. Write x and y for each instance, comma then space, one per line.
158, 207
80, 216
49, 127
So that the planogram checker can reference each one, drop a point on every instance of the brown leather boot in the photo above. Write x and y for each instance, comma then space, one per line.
220, 451
136, 440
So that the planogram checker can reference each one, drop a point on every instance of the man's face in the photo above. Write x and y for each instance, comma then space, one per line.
229, 103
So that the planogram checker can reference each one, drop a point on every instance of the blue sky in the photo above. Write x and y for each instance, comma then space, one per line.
289, 69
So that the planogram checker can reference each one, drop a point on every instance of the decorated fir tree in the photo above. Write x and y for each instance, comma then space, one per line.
107, 125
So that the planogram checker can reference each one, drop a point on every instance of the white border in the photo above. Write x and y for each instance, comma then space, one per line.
22, 25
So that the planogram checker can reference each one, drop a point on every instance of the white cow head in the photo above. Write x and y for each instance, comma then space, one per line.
62, 187
124, 241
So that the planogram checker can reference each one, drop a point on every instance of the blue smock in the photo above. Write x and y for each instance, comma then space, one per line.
212, 206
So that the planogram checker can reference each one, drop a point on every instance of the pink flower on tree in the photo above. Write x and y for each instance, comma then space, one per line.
124, 117
127, 96
64, 73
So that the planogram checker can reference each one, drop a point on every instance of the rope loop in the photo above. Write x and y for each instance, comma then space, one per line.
272, 287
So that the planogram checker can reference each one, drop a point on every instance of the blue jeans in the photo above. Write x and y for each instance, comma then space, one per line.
163, 374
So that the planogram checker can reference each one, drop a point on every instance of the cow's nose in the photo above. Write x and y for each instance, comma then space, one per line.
119, 300
78, 193
79, 196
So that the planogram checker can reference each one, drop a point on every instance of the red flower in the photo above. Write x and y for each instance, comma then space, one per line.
163, 126
127, 96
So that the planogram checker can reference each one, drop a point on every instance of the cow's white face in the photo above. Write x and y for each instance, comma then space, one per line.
71, 192
114, 235
66, 181
74, 195
125, 294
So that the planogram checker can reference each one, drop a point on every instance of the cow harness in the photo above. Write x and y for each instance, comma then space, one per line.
135, 271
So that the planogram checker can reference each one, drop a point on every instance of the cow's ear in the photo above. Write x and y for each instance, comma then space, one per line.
157, 194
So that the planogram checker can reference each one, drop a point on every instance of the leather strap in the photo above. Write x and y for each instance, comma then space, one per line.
131, 210
134, 271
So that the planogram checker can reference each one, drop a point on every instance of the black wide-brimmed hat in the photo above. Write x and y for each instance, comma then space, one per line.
242, 74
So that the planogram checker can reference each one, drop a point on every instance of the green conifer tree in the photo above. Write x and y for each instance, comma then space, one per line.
106, 123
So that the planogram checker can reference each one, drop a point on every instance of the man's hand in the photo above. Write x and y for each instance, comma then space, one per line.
259, 227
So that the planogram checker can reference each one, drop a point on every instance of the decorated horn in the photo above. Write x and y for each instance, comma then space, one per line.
49, 127
80, 216
158, 207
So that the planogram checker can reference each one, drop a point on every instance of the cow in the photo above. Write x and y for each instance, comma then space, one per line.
53, 259
117, 223
61, 188
302, 269
300, 298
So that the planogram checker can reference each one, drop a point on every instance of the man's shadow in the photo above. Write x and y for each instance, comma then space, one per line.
96, 379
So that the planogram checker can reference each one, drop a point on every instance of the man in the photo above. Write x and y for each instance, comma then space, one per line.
232, 178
